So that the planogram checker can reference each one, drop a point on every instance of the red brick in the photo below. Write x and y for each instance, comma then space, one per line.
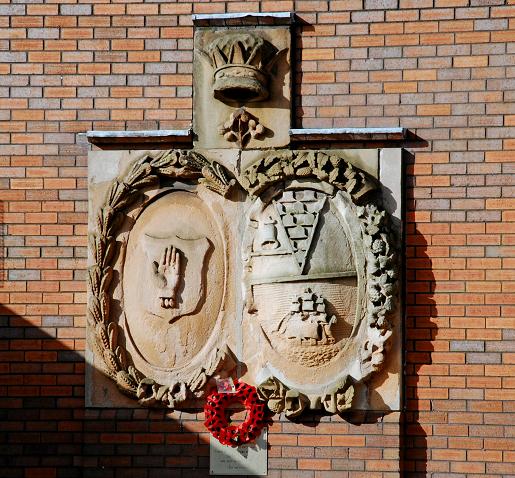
440, 73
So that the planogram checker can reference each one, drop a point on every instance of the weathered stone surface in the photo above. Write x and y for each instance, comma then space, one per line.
176, 253
242, 62
242, 257
242, 68
311, 296
157, 283
295, 274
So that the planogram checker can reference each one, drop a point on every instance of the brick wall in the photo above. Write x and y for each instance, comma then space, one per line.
443, 68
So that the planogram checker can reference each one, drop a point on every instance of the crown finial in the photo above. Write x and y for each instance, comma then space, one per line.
242, 63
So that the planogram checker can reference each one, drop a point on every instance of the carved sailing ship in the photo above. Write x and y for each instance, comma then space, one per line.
307, 323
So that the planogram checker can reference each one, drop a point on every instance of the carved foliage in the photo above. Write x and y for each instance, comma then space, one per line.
292, 402
122, 193
281, 165
381, 284
280, 398
150, 393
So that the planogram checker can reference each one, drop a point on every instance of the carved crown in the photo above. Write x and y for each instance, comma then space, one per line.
242, 63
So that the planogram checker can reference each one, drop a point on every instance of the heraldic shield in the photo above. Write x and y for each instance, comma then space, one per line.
301, 274
283, 275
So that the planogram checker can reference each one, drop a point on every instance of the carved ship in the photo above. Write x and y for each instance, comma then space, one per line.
307, 323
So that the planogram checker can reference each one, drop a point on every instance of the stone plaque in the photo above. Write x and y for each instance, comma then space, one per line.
242, 95
250, 459
287, 268
243, 256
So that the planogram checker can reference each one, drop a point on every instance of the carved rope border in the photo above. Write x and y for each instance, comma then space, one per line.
123, 192
380, 255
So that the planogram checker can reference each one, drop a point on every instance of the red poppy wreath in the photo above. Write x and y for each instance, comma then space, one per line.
216, 418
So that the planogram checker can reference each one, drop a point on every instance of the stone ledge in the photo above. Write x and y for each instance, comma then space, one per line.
362, 137
359, 134
243, 19
303, 138
148, 138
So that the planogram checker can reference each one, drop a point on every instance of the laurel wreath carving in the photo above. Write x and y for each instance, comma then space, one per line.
381, 264
281, 165
281, 398
143, 174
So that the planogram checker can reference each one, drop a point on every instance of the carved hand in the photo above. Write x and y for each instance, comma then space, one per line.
167, 273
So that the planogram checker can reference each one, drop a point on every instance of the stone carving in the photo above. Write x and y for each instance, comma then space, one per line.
338, 306
241, 127
318, 280
242, 64
381, 285
169, 338
305, 335
122, 194
266, 237
338, 399
307, 322
150, 393
281, 165
292, 402
280, 398
296, 271
303, 299
168, 274
299, 212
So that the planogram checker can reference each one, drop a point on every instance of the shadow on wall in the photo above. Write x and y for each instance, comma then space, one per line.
3, 234
41, 389
420, 332
46, 432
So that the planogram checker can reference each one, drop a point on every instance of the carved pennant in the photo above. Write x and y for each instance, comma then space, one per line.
299, 212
